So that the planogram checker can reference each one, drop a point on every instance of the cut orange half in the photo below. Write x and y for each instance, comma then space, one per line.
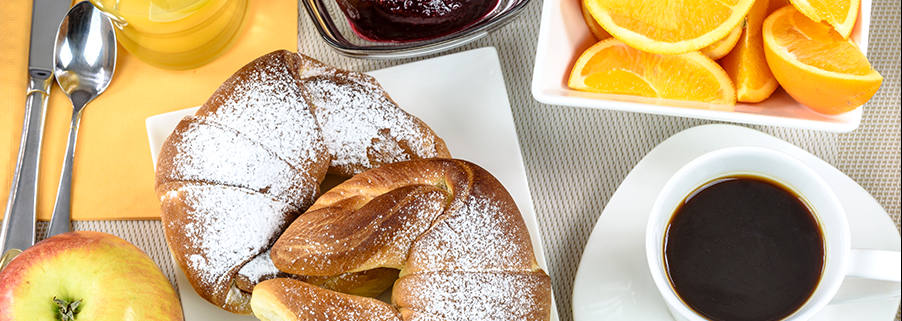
610, 66
815, 66
669, 26
840, 14
746, 64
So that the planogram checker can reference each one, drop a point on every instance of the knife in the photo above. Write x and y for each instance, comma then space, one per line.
19, 221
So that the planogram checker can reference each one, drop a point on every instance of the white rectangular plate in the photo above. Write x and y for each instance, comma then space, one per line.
462, 97
563, 36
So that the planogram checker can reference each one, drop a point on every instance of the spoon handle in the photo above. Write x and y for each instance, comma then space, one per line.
59, 222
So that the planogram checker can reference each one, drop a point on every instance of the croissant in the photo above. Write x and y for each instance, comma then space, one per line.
232, 177
449, 226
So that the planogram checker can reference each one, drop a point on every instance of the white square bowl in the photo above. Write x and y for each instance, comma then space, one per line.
563, 36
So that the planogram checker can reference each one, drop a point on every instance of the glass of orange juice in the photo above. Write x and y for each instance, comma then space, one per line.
176, 34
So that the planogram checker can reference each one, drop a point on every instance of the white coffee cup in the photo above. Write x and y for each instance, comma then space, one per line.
840, 261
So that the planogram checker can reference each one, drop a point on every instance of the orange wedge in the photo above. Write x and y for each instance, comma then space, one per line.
722, 47
612, 67
746, 64
840, 14
773, 5
669, 26
596, 29
816, 66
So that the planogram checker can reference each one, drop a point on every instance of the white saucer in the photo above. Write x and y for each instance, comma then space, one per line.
463, 99
613, 281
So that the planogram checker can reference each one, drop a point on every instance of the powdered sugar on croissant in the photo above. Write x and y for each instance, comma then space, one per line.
451, 228
234, 175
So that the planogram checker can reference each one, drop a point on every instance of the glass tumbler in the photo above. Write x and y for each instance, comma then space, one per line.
176, 34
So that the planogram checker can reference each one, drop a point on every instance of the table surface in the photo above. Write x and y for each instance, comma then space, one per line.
576, 158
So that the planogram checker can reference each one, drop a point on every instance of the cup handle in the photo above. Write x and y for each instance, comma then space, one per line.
871, 275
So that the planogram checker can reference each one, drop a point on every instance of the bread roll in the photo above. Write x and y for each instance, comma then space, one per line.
233, 176
462, 247
287, 299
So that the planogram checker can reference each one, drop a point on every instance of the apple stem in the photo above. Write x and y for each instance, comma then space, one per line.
67, 309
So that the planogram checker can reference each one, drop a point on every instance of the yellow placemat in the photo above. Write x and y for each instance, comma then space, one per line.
113, 174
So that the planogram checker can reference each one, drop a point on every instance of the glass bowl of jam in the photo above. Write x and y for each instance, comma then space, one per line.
384, 29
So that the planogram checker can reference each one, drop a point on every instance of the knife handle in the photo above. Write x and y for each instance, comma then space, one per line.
8, 256
19, 222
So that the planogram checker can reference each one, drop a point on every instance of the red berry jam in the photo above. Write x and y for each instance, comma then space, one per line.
411, 20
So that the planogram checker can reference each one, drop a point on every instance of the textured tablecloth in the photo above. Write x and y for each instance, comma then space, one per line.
576, 158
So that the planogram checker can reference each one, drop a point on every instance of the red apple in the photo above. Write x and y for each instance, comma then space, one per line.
110, 279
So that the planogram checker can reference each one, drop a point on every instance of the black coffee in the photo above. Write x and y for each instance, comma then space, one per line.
744, 248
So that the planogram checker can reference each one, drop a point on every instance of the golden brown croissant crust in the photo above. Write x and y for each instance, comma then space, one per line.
233, 176
452, 229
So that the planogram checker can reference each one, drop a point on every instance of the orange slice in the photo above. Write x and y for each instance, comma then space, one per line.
715, 51
722, 47
815, 66
669, 26
610, 66
746, 64
840, 14
596, 29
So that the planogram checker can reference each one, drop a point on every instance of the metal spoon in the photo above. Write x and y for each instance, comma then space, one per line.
85, 54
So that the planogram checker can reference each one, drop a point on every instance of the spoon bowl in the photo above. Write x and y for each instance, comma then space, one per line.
85, 54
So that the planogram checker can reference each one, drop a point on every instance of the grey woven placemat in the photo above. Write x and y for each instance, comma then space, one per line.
575, 158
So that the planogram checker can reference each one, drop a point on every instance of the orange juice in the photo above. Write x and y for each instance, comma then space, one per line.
176, 34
